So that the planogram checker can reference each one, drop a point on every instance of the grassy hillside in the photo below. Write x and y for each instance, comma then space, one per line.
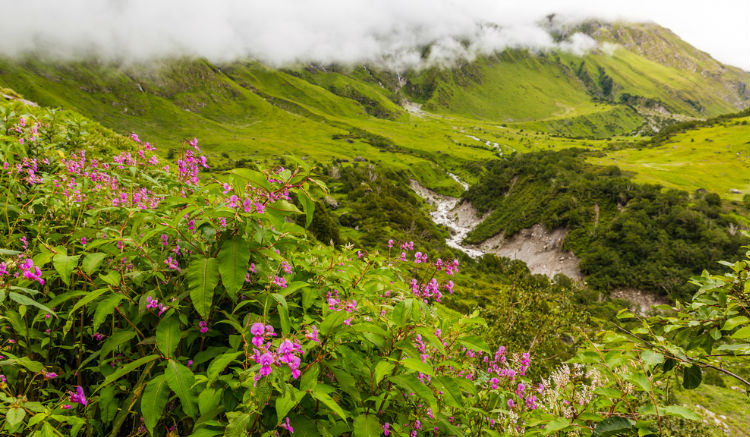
714, 158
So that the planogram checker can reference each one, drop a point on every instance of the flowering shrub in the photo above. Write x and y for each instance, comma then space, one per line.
141, 297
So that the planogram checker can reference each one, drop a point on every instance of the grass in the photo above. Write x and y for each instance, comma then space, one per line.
715, 158
730, 406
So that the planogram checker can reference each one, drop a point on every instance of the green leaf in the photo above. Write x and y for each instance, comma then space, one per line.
32, 366
320, 394
202, 277
65, 265
382, 369
127, 368
557, 425
475, 342
92, 261
612, 426
411, 384
651, 358
734, 322
209, 401
180, 379
26, 300
168, 336
238, 423
743, 332
286, 324
15, 416
307, 205
451, 391
367, 426
691, 377
111, 277
419, 366
116, 340
285, 403
220, 363
310, 378
639, 380
678, 410
104, 309
234, 257
108, 405
155, 397
88, 298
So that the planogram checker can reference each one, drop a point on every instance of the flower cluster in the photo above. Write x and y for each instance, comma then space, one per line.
288, 352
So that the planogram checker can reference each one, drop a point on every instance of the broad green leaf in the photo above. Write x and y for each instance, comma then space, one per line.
285, 403
238, 423
411, 384
419, 366
116, 340
180, 379
33, 366
651, 358
367, 426
308, 206
743, 332
639, 380
202, 277
451, 392
107, 404
209, 401
220, 363
65, 265
678, 410
168, 336
320, 394
382, 369
474, 342
15, 416
691, 377
155, 397
557, 424
612, 426
734, 322
104, 309
111, 277
127, 368
92, 261
309, 379
88, 298
26, 300
286, 324
234, 258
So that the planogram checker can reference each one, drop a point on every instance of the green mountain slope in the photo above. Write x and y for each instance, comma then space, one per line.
495, 105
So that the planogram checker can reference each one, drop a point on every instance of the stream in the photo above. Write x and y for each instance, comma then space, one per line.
459, 219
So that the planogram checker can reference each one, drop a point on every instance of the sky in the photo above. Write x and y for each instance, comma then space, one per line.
283, 32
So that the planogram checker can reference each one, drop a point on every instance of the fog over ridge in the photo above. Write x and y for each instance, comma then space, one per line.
343, 31
389, 32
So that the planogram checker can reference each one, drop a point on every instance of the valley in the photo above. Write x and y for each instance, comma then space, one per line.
536, 240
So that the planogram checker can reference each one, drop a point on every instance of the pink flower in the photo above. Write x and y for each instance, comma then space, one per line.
78, 397
387, 425
313, 335
204, 327
259, 207
287, 426
50, 375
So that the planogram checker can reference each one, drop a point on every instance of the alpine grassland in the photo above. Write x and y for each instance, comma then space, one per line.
200, 248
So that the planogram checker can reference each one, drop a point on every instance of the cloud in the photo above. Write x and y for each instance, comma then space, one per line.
282, 32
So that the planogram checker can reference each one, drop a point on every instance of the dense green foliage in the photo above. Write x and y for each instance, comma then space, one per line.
626, 234
139, 299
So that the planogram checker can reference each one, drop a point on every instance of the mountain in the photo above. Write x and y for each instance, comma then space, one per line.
641, 78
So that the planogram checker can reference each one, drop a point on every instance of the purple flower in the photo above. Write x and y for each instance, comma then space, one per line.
287, 426
204, 327
78, 397
50, 375
387, 425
